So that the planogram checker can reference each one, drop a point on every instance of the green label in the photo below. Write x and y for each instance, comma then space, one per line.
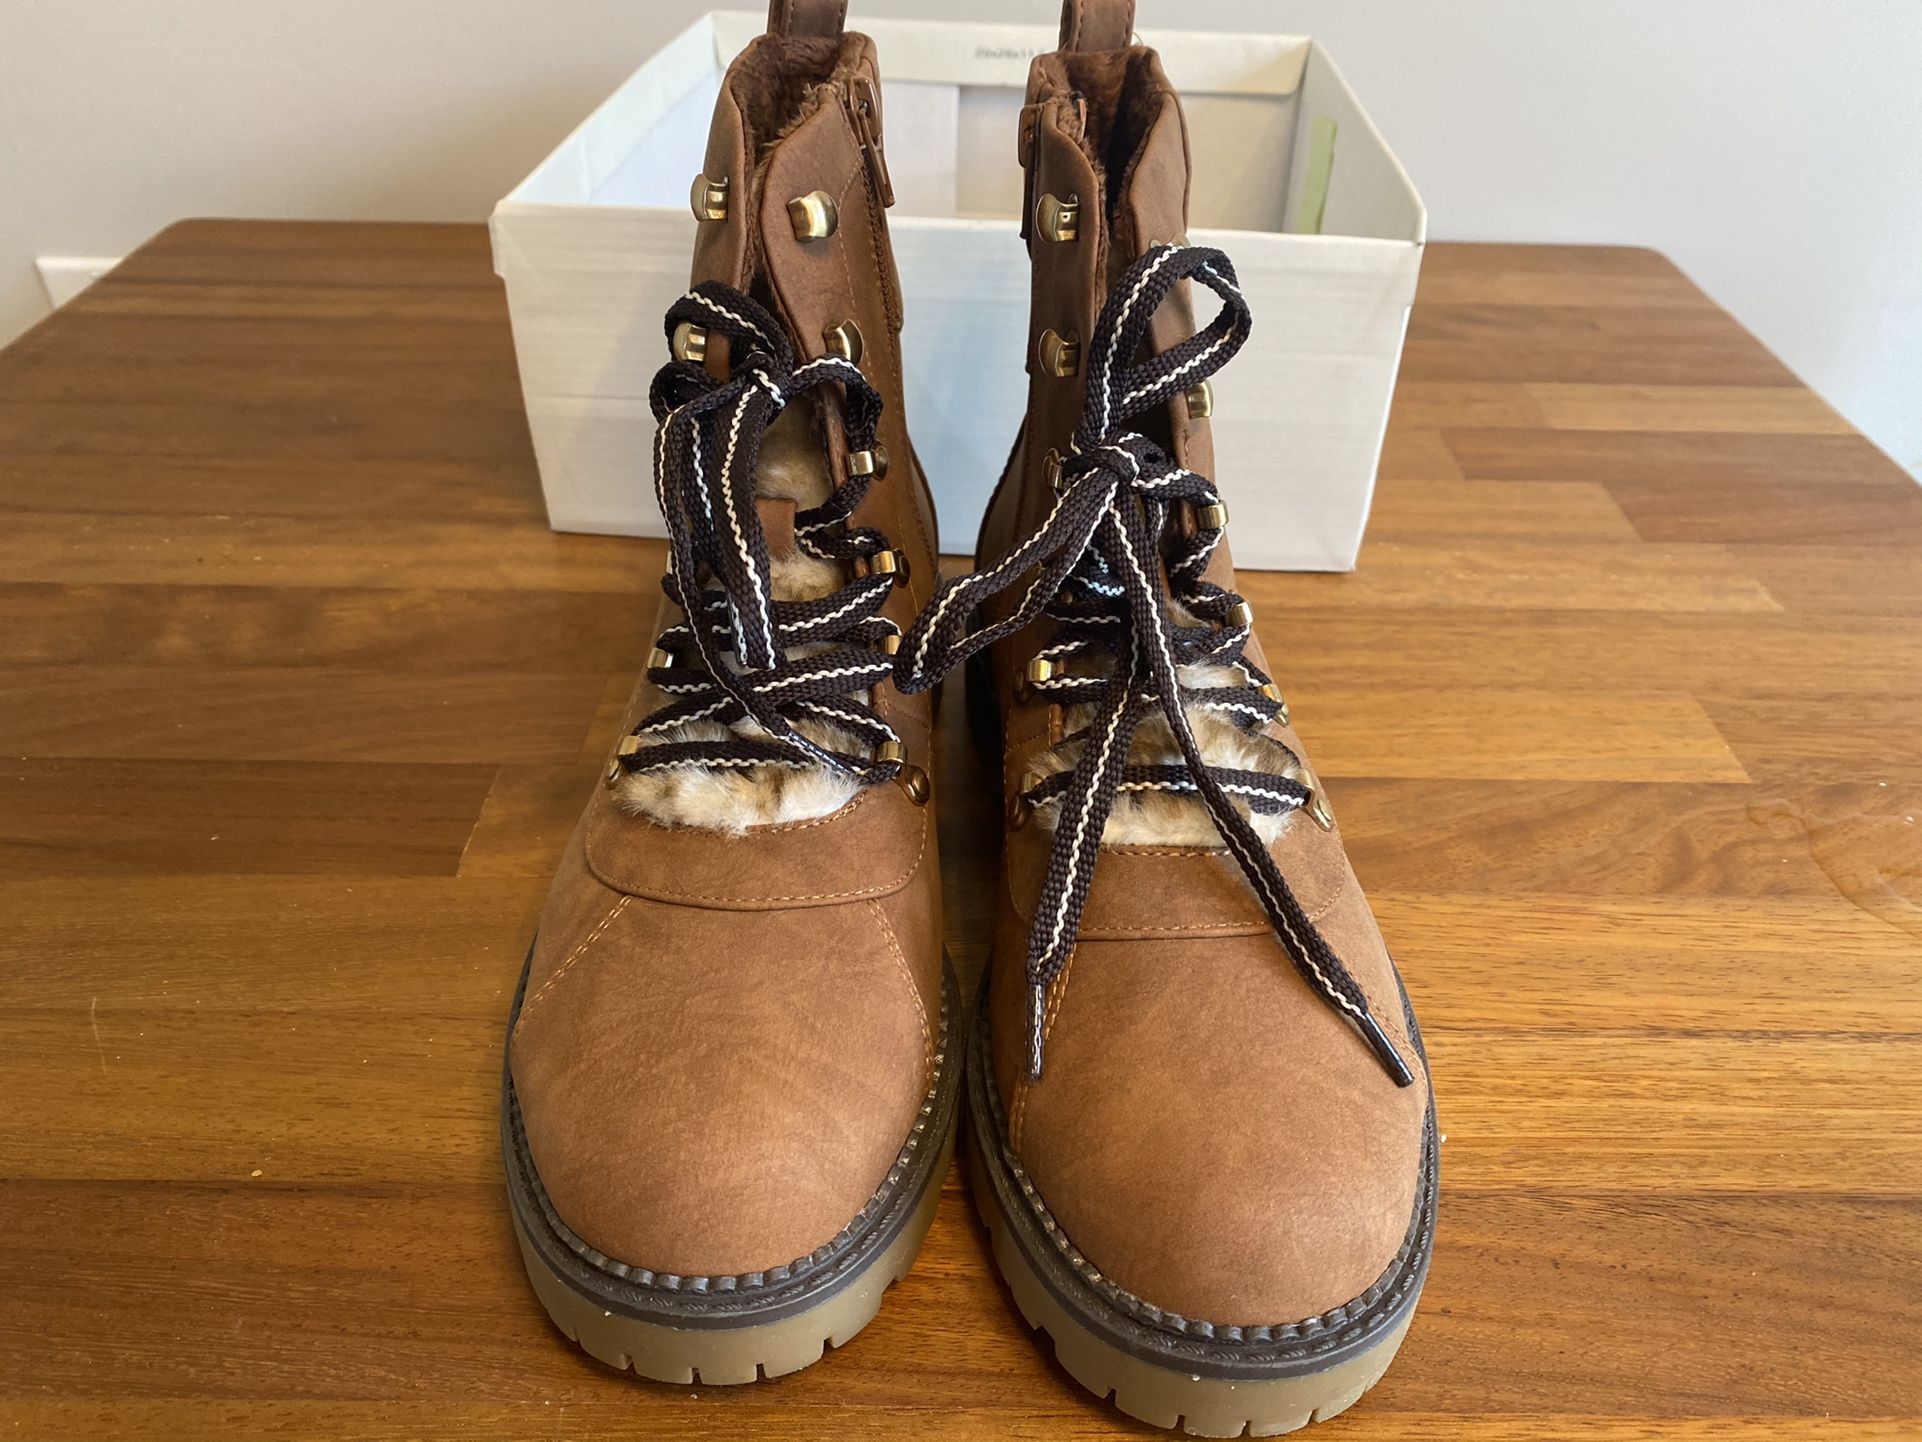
1313, 203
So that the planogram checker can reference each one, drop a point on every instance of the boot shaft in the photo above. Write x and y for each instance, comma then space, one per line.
1103, 145
792, 204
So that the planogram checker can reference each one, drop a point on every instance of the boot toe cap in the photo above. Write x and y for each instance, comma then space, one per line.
695, 1119
1241, 1166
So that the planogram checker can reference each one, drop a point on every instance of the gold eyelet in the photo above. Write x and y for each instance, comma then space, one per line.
1020, 809
690, 342
889, 751
845, 341
1211, 518
1201, 401
1058, 219
1241, 614
659, 660
884, 563
1317, 806
871, 463
1051, 468
913, 780
891, 644
814, 216
709, 198
1060, 355
628, 746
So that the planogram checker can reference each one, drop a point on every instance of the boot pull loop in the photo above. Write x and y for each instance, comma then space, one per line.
1097, 24
820, 18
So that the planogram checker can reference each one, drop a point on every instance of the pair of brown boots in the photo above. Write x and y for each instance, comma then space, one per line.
1200, 1126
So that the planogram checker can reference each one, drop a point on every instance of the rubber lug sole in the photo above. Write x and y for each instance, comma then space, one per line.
1198, 1404
733, 1355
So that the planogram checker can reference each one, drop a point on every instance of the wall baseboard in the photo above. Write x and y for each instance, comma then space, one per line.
65, 276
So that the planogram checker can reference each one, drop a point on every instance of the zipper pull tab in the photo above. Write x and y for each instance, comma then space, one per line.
864, 110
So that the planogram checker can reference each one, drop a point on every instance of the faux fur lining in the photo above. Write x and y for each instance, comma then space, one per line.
733, 801
1124, 93
1162, 818
773, 80
793, 467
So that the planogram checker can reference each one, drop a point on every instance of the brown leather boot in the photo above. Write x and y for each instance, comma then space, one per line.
730, 1087
1202, 1133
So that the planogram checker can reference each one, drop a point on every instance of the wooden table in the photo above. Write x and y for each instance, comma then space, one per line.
1623, 711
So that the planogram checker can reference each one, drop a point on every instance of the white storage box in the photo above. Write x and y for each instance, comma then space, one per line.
1290, 179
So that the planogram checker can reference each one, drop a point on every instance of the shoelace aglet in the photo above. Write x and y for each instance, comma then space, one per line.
1384, 1050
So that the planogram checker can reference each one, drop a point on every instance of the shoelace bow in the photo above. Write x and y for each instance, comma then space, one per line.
1101, 554
731, 652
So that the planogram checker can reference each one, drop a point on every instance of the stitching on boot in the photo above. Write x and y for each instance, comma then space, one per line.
575, 955
884, 888
907, 974
1059, 994
1024, 1088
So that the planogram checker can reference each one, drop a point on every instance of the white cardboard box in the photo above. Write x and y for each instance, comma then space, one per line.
1290, 179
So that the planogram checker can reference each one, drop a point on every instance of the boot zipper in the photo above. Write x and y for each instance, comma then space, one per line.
864, 113
863, 106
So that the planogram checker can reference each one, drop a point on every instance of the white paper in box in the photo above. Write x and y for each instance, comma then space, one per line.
1290, 179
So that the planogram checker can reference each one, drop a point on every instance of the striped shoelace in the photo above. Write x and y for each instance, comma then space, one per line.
738, 654
1100, 558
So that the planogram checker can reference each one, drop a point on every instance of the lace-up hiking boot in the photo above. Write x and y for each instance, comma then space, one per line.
731, 1073
1202, 1135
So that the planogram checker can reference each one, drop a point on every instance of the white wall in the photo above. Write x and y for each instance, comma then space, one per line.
1773, 148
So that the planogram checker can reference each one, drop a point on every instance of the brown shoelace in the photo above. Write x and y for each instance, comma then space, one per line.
732, 656
1101, 554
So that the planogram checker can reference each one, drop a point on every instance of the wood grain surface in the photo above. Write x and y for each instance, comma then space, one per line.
299, 698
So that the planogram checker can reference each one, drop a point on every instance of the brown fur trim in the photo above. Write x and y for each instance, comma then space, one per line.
1160, 818
793, 466
1124, 94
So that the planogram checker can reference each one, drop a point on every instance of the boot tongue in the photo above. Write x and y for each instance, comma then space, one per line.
776, 514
